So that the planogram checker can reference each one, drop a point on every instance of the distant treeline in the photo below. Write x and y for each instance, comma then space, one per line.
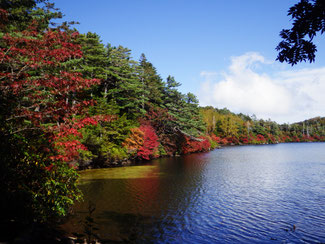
237, 129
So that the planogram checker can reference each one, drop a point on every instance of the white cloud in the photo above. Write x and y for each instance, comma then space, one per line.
283, 96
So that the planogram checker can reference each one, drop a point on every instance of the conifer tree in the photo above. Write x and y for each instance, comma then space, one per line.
20, 14
151, 81
94, 63
95, 60
184, 108
124, 87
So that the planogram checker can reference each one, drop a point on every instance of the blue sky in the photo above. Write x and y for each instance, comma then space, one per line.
200, 42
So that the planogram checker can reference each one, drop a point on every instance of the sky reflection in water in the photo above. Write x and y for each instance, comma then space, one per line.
237, 194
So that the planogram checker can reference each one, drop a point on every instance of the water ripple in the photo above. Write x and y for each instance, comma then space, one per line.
253, 194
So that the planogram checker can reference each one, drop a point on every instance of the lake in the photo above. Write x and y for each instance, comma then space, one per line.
240, 194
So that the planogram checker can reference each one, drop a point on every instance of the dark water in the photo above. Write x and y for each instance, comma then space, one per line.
249, 194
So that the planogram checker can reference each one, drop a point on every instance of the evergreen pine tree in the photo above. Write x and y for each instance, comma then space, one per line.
151, 81
184, 108
124, 87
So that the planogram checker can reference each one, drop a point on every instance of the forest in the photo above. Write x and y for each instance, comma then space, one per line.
69, 102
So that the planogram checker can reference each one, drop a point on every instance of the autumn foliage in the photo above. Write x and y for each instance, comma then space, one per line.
66, 139
150, 143
190, 145
135, 140
143, 141
45, 95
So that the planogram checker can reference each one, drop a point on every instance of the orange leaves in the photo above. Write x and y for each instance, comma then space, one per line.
135, 140
143, 141
215, 138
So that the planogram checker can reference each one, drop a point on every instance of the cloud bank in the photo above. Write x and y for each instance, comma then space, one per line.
252, 85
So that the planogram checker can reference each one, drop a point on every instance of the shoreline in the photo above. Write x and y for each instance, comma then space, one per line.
135, 162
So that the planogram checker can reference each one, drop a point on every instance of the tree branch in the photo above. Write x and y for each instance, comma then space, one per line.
176, 129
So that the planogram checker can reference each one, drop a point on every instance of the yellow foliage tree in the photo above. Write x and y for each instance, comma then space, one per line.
135, 140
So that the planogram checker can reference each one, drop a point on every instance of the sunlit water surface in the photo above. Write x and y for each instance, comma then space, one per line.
244, 194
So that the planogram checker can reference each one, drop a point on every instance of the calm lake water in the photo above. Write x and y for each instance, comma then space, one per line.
242, 194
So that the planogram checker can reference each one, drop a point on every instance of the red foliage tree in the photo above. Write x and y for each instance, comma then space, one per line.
307, 138
260, 139
271, 138
215, 138
244, 139
150, 143
286, 138
318, 138
232, 140
191, 146
224, 141
41, 92
66, 139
